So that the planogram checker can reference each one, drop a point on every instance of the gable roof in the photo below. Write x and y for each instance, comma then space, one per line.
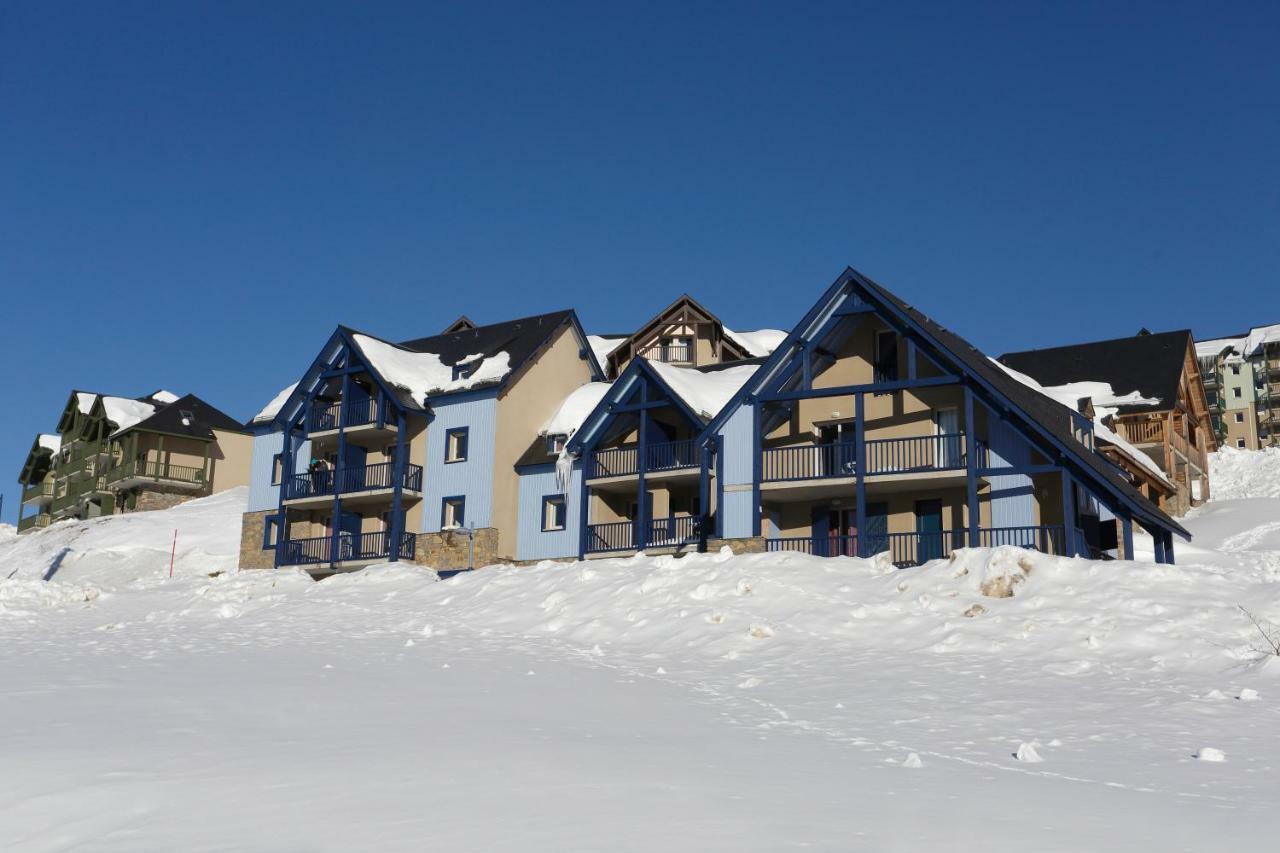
205, 418
683, 302
1150, 364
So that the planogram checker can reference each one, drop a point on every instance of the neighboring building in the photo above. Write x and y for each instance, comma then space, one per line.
120, 454
415, 445
684, 334
1158, 400
1242, 383
869, 429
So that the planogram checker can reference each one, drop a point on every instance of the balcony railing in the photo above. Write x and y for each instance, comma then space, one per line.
365, 546
911, 549
151, 469
38, 492
662, 456
66, 501
328, 416
367, 478
884, 456
669, 353
1144, 432
668, 532
33, 522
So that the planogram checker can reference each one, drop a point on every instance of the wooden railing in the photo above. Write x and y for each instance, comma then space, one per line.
1144, 432
365, 546
39, 491
366, 478
33, 521
660, 456
152, 469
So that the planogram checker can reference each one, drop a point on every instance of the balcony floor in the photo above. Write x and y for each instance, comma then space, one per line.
627, 482
832, 487
352, 499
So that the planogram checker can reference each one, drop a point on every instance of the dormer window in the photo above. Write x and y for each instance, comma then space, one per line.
555, 444
464, 370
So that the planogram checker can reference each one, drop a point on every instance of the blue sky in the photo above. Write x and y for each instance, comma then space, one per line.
192, 196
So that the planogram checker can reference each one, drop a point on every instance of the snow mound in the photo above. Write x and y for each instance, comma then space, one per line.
1240, 474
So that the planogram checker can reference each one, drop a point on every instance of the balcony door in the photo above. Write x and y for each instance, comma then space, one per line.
946, 425
837, 454
929, 534
353, 477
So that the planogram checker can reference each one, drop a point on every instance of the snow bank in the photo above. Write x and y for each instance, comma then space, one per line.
273, 408
1235, 473
706, 392
423, 373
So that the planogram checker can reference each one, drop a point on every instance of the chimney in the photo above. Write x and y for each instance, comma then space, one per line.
1085, 407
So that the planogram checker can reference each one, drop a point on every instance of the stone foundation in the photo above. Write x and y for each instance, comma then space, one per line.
448, 549
159, 497
744, 545
252, 527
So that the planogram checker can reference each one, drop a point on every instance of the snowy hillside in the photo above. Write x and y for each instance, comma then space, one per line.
1245, 473
998, 701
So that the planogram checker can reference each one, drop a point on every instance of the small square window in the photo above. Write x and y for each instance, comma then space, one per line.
555, 443
1235, 370
1240, 443
455, 444
1235, 392
553, 513
1239, 417
453, 512
277, 468
270, 530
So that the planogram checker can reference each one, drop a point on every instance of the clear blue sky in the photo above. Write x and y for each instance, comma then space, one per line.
192, 196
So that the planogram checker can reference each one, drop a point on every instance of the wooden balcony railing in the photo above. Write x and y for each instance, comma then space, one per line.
151, 469
1144, 432
33, 522
37, 493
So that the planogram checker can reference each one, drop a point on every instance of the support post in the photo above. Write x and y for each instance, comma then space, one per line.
396, 528
338, 470
757, 460
286, 477
159, 454
859, 474
1157, 536
642, 453
704, 497
205, 467
911, 359
1126, 526
1168, 547
1069, 515
971, 466
584, 505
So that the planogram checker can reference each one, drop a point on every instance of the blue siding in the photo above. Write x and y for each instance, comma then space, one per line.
1012, 495
738, 446
737, 514
472, 478
532, 543
262, 494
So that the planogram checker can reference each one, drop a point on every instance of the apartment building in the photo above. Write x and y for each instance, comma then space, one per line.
869, 429
1153, 388
115, 454
1242, 383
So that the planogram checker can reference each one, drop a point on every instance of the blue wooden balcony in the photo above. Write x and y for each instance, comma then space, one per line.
883, 456
670, 532
365, 547
323, 417
345, 481
659, 457
913, 549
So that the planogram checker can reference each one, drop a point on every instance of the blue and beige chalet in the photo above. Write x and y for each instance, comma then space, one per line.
406, 451
870, 429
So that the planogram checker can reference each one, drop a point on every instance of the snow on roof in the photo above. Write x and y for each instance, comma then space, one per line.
124, 412
1246, 345
602, 346
706, 392
759, 343
164, 396
575, 408
85, 402
1105, 403
1205, 349
1260, 335
50, 442
270, 410
423, 373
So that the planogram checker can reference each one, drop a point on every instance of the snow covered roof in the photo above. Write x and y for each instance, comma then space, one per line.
575, 408
84, 401
603, 345
49, 441
270, 410
705, 391
759, 343
1245, 345
1105, 403
163, 396
125, 412
424, 373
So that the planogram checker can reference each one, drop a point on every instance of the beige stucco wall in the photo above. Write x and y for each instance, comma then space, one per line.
1248, 430
231, 455
521, 411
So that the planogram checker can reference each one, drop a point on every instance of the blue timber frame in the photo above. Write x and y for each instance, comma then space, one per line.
851, 297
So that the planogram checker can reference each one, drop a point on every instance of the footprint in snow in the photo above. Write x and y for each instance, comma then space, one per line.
1027, 753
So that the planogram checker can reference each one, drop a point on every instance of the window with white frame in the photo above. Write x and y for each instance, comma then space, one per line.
1240, 443
553, 513
453, 512
277, 468
555, 443
455, 444
1235, 392
1239, 417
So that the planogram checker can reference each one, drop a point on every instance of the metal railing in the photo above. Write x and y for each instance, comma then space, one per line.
366, 478
365, 546
66, 501
667, 532
356, 412
659, 456
39, 491
669, 352
884, 456
152, 469
911, 549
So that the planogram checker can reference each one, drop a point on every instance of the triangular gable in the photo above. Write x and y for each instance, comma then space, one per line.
461, 324
852, 294
596, 423
38, 462
684, 310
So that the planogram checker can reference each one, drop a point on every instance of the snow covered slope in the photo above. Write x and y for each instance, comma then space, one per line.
704, 703
1237, 473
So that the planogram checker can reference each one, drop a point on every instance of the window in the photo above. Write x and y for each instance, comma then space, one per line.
1235, 392
886, 363
1239, 417
277, 468
555, 443
1235, 370
453, 512
455, 444
553, 513
1240, 443
270, 530
1211, 397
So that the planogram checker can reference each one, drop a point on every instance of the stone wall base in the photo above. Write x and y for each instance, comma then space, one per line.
448, 549
743, 545
252, 528
160, 497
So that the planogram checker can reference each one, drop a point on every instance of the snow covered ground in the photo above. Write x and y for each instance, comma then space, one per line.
706, 703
